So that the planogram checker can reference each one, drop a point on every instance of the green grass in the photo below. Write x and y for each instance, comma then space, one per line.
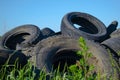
79, 71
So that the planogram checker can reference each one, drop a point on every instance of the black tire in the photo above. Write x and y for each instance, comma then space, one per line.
94, 29
115, 34
113, 44
12, 57
3, 57
46, 32
54, 49
111, 28
23, 35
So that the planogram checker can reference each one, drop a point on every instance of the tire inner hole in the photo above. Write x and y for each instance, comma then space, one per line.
12, 42
84, 25
64, 59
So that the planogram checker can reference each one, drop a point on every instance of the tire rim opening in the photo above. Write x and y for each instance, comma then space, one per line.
64, 59
12, 41
84, 25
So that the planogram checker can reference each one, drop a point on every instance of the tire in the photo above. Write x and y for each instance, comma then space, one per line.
23, 35
3, 57
113, 44
91, 27
12, 56
54, 49
111, 28
46, 32
115, 34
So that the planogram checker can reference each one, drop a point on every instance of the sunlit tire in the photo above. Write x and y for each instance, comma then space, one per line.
91, 27
46, 32
112, 28
23, 35
51, 51
113, 44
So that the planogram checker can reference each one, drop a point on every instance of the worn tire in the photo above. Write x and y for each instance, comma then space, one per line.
94, 29
46, 32
12, 57
23, 35
112, 27
3, 57
114, 44
54, 49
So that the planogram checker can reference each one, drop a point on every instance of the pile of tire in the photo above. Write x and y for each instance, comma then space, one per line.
46, 47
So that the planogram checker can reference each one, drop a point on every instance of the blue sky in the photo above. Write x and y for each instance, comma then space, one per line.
49, 13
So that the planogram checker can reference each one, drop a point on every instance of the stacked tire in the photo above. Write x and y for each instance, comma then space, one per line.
47, 48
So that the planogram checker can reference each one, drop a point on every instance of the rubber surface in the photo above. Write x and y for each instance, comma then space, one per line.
61, 48
113, 43
46, 32
12, 57
111, 28
23, 35
90, 26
